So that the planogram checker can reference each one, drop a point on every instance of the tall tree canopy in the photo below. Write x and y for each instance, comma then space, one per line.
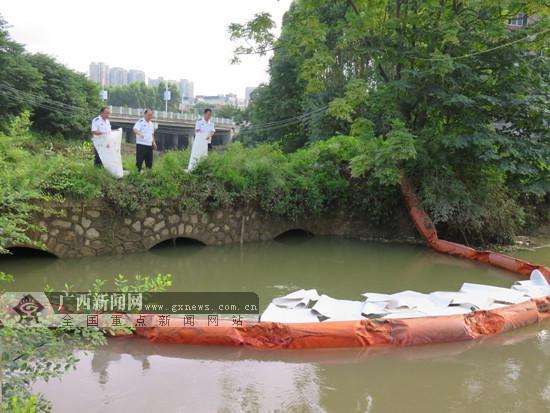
15, 70
139, 95
444, 90
66, 101
60, 100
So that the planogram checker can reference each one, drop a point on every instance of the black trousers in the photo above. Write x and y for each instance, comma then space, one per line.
144, 153
97, 159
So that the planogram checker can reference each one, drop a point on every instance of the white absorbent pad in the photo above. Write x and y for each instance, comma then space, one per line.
536, 286
278, 314
108, 149
337, 310
297, 299
497, 294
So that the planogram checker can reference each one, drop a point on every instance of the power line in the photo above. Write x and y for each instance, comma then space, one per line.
285, 122
531, 37
33, 96
34, 102
292, 118
38, 101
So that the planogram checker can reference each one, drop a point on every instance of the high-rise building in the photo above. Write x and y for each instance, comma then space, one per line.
247, 92
99, 73
136, 76
93, 72
187, 88
155, 82
118, 76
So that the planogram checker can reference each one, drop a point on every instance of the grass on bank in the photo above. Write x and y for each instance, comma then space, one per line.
310, 181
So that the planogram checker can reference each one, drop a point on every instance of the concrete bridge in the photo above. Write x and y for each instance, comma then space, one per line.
173, 130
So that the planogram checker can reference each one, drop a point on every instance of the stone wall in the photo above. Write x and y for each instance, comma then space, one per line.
93, 228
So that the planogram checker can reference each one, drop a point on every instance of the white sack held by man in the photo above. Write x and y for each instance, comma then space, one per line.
108, 149
199, 150
204, 130
106, 143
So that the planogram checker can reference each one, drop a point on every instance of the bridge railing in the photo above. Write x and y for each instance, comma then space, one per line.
161, 114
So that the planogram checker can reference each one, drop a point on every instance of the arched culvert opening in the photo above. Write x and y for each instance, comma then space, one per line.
26, 252
294, 235
178, 242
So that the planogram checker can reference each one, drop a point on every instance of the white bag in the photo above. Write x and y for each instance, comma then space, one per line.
199, 150
108, 148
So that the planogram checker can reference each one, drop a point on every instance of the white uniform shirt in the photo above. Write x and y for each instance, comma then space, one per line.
101, 125
203, 126
148, 129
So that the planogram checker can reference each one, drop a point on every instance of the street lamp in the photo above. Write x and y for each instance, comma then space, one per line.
167, 97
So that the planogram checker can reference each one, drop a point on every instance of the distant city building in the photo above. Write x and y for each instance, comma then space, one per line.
241, 104
231, 99
160, 79
218, 100
118, 76
102, 74
99, 73
187, 89
247, 93
155, 82
186, 102
136, 76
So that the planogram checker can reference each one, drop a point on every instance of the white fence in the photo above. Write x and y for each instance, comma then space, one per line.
161, 114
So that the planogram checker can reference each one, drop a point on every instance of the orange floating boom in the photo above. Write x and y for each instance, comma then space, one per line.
374, 332
425, 226
360, 333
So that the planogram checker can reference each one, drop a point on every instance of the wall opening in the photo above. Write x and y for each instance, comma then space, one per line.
294, 235
178, 242
26, 252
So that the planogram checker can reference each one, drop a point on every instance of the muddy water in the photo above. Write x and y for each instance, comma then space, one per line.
508, 373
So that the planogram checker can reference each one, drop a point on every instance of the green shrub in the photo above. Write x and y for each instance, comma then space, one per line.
476, 208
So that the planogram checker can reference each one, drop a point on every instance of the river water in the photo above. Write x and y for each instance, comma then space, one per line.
507, 373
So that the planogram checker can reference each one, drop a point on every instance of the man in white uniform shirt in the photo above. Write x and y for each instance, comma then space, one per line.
204, 129
145, 140
206, 125
101, 127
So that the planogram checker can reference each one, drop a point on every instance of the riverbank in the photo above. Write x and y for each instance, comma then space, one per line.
306, 186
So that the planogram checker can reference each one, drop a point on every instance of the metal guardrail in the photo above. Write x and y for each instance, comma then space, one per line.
161, 114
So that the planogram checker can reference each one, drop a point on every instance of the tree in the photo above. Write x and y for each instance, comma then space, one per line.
230, 112
67, 100
17, 77
281, 111
175, 97
442, 90
61, 101
134, 95
139, 95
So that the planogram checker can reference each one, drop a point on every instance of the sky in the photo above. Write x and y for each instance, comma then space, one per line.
185, 39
